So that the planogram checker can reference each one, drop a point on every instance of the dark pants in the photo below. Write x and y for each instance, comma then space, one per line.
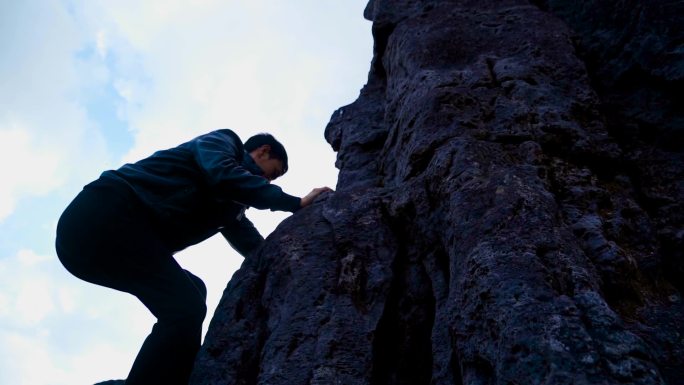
105, 236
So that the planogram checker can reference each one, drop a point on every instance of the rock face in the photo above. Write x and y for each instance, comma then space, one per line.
508, 210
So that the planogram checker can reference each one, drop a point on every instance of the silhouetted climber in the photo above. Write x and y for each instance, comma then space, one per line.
122, 230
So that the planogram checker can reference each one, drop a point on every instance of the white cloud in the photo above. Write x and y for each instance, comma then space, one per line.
22, 355
25, 167
30, 258
43, 129
251, 66
31, 360
33, 302
71, 330
66, 297
101, 43
26, 298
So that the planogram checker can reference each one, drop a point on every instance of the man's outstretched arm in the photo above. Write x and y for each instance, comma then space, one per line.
245, 238
219, 157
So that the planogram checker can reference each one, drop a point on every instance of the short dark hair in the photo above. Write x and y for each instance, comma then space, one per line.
277, 149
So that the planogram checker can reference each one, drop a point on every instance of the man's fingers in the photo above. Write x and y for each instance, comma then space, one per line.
321, 190
309, 198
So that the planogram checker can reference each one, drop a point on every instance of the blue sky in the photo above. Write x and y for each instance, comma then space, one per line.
89, 85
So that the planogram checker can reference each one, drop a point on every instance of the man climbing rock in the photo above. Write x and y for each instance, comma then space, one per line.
122, 230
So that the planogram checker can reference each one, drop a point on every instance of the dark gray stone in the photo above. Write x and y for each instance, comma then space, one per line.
492, 222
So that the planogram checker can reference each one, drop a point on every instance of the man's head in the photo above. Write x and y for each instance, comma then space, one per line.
268, 154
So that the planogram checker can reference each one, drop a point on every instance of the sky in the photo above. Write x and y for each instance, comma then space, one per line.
89, 85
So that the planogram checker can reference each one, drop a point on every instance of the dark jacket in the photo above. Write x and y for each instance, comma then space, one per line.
202, 187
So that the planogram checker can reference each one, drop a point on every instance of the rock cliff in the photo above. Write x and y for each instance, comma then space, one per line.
508, 210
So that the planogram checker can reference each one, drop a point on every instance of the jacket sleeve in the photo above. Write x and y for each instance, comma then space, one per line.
243, 236
219, 158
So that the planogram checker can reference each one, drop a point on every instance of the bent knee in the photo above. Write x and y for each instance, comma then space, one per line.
185, 319
193, 313
199, 284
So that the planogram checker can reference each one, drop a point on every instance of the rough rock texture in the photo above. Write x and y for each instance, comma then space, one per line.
508, 210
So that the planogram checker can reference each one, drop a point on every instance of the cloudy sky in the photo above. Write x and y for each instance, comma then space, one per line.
89, 85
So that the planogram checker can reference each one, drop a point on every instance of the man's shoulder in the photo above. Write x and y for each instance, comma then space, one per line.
227, 133
226, 136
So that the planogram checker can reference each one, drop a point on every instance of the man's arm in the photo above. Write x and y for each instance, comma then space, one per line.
220, 159
243, 236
